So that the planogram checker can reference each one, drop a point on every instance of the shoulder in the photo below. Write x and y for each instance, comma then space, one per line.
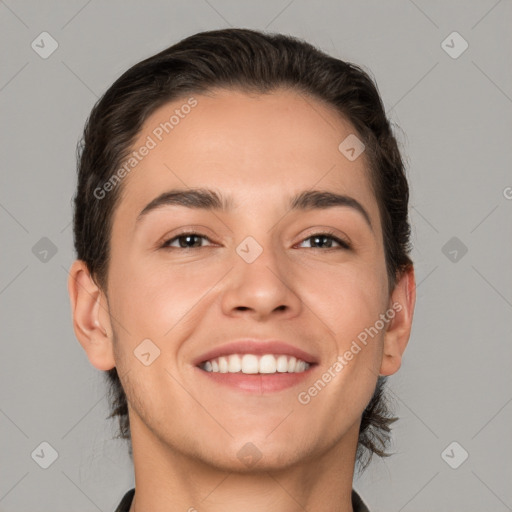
357, 503
125, 504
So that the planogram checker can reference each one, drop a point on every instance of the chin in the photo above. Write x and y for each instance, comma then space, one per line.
246, 454
251, 460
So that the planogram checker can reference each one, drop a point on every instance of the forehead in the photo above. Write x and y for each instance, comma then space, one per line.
254, 147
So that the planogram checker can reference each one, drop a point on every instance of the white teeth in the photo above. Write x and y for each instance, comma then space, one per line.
235, 364
282, 364
268, 364
223, 365
252, 364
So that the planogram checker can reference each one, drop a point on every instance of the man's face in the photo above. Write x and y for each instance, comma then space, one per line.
260, 274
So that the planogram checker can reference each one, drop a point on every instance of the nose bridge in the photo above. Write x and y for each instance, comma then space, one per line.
260, 259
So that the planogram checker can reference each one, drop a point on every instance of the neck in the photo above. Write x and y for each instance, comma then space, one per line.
170, 480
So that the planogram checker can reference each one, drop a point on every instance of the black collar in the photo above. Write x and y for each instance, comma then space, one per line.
357, 503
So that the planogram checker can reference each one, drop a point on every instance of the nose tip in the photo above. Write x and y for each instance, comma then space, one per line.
261, 290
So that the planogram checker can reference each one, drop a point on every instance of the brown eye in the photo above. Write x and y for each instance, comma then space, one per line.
185, 241
325, 241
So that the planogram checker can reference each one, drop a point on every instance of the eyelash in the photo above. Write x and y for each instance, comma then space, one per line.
328, 234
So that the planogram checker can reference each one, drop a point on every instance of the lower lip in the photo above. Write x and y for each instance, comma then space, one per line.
258, 383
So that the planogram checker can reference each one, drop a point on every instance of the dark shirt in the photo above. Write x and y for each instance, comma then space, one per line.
357, 503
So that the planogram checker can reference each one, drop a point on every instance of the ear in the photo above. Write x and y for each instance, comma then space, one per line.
402, 301
90, 315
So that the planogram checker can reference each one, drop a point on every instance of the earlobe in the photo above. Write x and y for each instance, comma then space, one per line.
90, 317
403, 300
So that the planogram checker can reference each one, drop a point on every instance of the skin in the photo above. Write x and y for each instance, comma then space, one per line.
186, 430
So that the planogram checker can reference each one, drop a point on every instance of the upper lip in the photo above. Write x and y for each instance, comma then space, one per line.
256, 347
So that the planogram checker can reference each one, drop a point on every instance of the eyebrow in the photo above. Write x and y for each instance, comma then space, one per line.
207, 199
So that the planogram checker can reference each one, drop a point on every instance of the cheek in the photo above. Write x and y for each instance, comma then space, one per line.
348, 297
152, 295
349, 300
154, 298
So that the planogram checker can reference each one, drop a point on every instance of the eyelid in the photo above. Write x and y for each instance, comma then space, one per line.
188, 230
168, 239
343, 241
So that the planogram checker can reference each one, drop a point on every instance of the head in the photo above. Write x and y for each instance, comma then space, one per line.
258, 119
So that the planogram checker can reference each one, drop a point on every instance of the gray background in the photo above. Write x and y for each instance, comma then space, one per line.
455, 120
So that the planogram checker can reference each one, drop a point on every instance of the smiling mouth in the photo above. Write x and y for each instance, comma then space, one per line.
251, 364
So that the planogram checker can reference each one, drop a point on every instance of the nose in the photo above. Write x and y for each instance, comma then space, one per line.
261, 289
